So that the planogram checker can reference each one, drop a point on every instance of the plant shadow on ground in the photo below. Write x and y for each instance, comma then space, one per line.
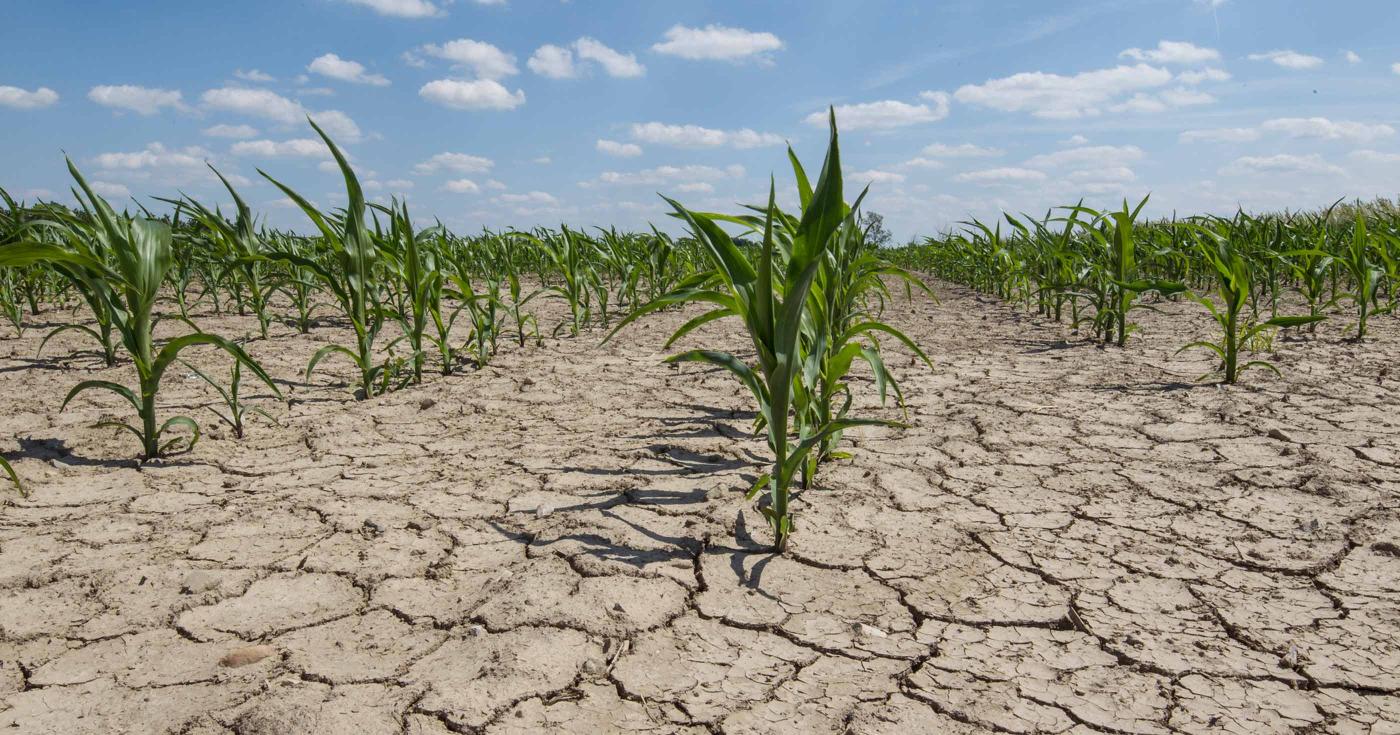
45, 450
604, 549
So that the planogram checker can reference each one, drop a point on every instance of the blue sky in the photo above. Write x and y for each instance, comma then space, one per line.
522, 112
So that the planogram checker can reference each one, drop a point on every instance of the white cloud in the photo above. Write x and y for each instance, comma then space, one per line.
1209, 74
481, 94
716, 42
696, 188
1063, 97
456, 162
1110, 174
695, 136
1075, 141
338, 125
555, 62
231, 131
1352, 57
1370, 156
886, 114
961, 150
1183, 97
1281, 163
1001, 175
156, 156
615, 63
1219, 135
921, 162
542, 160
401, 8
254, 103
294, 148
21, 99
1393, 67
614, 148
331, 65
533, 197
254, 75
483, 59
1288, 59
462, 186
1321, 127
494, 184
666, 174
1097, 156
141, 100
875, 176
1173, 52
111, 190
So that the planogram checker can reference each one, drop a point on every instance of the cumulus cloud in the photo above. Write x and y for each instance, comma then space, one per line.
331, 65
614, 148
231, 131
886, 114
254, 75
1219, 135
615, 63
1209, 74
261, 103
462, 186
1173, 52
1321, 127
531, 197
875, 176
1288, 59
401, 8
1057, 96
961, 150
1001, 176
717, 42
667, 174
456, 162
1087, 156
483, 59
555, 62
480, 94
155, 155
111, 190
695, 136
294, 148
1281, 163
1351, 57
22, 99
141, 100
698, 187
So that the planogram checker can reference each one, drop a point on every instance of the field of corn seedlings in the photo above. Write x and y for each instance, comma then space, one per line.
1082, 473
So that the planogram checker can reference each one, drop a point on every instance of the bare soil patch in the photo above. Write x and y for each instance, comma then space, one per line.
1069, 539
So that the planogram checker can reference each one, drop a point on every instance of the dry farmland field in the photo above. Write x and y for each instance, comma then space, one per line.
971, 485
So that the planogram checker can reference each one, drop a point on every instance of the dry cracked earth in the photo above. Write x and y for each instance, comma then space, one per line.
1069, 539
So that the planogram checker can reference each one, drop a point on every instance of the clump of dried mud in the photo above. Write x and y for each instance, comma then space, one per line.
1070, 539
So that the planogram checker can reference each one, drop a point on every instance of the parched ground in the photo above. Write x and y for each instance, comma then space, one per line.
1070, 539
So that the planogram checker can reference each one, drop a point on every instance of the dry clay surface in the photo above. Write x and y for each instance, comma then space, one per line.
1069, 539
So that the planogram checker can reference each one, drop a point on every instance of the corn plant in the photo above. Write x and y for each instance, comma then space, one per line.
1234, 288
1119, 280
1365, 275
769, 291
141, 256
233, 402
351, 279
237, 243
14, 477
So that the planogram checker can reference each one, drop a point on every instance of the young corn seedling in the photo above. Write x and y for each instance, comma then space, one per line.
238, 243
351, 279
236, 408
770, 295
1234, 288
1118, 275
141, 256
1365, 275
9, 471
